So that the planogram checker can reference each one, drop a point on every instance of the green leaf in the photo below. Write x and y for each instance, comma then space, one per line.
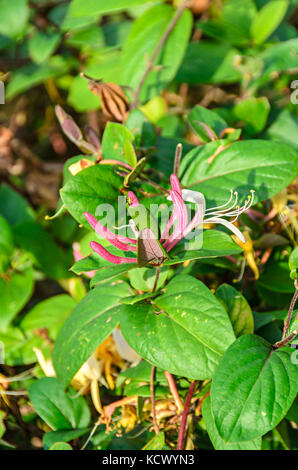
157, 443
215, 243
253, 388
60, 446
15, 291
199, 114
18, 349
42, 45
208, 62
57, 408
276, 277
48, 256
254, 112
187, 337
89, 324
238, 309
217, 441
31, 75
93, 7
80, 97
284, 128
293, 263
14, 207
233, 24
6, 244
266, 167
50, 438
142, 40
115, 139
130, 154
14, 16
2, 425
268, 19
107, 273
88, 189
143, 278
51, 312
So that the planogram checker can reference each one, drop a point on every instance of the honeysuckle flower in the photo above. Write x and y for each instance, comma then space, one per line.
178, 221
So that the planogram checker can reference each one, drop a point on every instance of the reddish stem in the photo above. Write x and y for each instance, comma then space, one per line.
287, 324
156, 428
185, 414
174, 391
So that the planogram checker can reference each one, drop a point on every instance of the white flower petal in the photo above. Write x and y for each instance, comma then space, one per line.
229, 225
124, 350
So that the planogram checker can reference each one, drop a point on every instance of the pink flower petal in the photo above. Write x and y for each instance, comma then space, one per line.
181, 214
168, 227
176, 184
192, 224
106, 233
78, 255
101, 251
132, 199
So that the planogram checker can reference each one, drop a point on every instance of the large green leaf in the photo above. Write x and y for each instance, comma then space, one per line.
92, 320
266, 167
142, 40
238, 309
186, 331
217, 441
253, 388
88, 189
15, 291
57, 408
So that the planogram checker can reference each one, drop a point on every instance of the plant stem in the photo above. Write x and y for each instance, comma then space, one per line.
174, 391
157, 50
185, 414
292, 305
156, 428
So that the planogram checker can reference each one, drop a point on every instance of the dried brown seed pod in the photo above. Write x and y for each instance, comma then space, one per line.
113, 100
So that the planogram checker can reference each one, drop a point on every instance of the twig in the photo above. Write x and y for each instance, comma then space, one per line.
156, 279
157, 50
156, 428
185, 414
174, 391
292, 305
